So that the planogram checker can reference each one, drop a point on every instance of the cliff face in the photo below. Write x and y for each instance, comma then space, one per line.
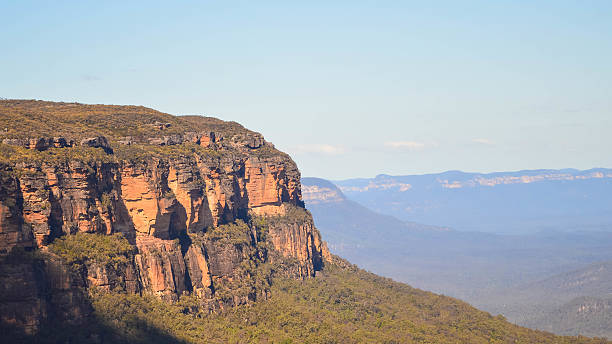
205, 210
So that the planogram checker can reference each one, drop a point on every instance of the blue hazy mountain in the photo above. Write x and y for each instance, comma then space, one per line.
509, 274
349, 224
504, 202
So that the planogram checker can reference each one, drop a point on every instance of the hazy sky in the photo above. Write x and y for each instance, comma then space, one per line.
348, 88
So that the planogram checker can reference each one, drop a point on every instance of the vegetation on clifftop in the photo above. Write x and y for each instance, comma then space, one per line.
134, 133
13, 154
32, 118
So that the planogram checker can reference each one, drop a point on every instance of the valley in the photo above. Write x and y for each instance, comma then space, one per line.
518, 275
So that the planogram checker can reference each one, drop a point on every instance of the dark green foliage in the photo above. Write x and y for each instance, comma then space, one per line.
343, 305
293, 214
235, 233
106, 200
138, 319
261, 228
82, 248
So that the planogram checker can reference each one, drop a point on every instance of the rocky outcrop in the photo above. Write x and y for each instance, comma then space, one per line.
41, 143
161, 266
159, 198
295, 236
189, 209
13, 230
199, 274
166, 140
97, 142
269, 184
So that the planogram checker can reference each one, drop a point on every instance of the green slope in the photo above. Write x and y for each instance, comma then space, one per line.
343, 304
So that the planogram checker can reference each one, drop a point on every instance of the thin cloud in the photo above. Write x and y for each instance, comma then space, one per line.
89, 78
406, 145
483, 141
320, 148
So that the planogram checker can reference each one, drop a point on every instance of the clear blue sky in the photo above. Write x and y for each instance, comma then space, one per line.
348, 88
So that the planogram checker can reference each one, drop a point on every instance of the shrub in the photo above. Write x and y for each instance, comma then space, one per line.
82, 248
106, 200
293, 214
234, 233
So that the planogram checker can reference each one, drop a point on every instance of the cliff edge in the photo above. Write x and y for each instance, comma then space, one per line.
186, 205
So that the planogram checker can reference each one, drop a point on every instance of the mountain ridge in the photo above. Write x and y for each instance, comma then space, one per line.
501, 273
500, 202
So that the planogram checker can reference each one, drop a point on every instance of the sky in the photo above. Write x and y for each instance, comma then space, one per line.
347, 88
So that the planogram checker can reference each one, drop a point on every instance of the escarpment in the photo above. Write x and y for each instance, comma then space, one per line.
205, 207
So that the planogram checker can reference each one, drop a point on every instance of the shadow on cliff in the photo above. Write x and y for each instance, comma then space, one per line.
28, 300
94, 331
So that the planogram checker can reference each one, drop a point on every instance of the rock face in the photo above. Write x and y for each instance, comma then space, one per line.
35, 290
190, 208
13, 231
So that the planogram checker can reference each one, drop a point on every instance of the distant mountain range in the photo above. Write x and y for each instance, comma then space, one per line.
504, 202
528, 277
341, 216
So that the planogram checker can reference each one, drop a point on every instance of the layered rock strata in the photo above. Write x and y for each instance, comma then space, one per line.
190, 212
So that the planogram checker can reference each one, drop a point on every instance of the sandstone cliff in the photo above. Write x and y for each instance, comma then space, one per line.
210, 208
